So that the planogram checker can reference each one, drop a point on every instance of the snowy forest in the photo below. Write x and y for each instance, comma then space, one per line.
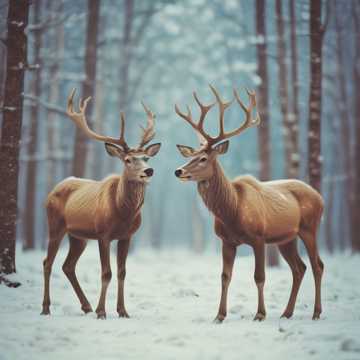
301, 57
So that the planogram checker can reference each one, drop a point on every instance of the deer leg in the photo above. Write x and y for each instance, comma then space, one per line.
309, 238
53, 247
259, 276
122, 252
228, 254
77, 246
104, 248
298, 268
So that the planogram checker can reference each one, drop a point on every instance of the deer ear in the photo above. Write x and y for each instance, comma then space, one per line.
186, 151
114, 150
222, 148
153, 149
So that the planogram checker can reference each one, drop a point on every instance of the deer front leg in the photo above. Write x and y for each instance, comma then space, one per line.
122, 252
104, 248
259, 276
228, 254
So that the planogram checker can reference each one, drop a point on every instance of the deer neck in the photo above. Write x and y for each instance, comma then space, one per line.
130, 195
219, 195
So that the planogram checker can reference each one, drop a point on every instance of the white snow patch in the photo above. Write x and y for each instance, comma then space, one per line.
172, 298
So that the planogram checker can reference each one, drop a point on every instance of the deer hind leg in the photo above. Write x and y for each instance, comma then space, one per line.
77, 247
259, 277
290, 254
228, 254
56, 234
309, 238
104, 248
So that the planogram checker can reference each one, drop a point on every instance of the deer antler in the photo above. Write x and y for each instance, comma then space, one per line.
206, 139
148, 132
249, 121
79, 118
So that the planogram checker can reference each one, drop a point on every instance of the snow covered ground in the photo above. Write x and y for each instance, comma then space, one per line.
172, 298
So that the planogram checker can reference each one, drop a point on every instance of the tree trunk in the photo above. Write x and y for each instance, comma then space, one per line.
294, 166
126, 53
30, 194
344, 125
283, 90
314, 128
11, 130
355, 238
264, 130
56, 39
88, 87
329, 211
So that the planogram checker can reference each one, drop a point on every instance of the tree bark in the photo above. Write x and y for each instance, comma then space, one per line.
126, 54
344, 126
283, 90
294, 166
17, 21
314, 128
88, 86
355, 238
264, 129
54, 136
30, 194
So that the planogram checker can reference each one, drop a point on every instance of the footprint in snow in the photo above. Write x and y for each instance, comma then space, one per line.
181, 293
350, 345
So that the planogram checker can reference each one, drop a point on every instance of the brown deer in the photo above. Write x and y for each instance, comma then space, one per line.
103, 210
248, 211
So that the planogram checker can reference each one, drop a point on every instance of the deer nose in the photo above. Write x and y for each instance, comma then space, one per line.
149, 172
178, 172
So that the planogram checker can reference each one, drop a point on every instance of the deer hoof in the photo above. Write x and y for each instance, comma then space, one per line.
286, 315
316, 316
101, 315
86, 309
219, 319
45, 311
259, 317
123, 314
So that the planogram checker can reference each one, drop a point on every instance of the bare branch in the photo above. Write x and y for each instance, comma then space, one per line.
50, 107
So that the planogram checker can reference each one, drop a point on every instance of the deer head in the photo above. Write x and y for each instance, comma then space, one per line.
200, 167
134, 159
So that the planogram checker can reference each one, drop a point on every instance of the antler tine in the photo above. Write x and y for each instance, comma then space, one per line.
70, 102
148, 132
249, 122
203, 137
203, 109
222, 107
187, 117
79, 118
122, 125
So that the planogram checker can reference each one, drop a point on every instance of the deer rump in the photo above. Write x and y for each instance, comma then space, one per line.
280, 208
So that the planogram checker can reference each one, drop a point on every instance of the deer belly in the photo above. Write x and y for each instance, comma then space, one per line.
283, 225
80, 221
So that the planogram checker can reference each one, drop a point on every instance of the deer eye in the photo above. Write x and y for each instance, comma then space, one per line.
203, 159
128, 161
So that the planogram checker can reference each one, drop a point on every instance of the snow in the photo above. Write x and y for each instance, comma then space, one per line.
172, 298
